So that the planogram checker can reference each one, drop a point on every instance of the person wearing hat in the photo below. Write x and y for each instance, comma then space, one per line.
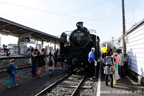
92, 62
12, 69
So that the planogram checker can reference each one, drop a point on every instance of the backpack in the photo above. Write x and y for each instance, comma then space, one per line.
50, 62
42, 62
9, 69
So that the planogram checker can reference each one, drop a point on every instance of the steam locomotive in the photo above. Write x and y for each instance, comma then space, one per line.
74, 53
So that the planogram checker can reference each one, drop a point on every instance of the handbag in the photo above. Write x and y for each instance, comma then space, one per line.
112, 68
116, 76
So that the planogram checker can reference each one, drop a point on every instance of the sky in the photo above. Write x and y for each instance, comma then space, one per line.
57, 16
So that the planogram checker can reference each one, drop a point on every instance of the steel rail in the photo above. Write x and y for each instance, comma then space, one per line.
50, 86
74, 92
53, 84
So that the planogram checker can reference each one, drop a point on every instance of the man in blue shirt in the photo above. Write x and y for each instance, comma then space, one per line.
92, 62
12, 74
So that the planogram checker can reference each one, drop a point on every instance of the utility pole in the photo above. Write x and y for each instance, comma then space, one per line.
123, 20
112, 45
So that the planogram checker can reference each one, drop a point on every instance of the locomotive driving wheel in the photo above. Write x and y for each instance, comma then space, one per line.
67, 64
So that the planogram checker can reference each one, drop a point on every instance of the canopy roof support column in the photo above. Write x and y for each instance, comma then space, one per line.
42, 43
55, 45
19, 45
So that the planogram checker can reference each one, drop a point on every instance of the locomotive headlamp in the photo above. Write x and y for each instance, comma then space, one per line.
65, 60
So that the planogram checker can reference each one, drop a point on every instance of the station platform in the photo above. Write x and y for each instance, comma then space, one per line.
13, 56
126, 86
20, 60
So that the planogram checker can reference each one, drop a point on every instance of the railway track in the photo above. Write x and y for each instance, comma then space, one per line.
87, 88
66, 86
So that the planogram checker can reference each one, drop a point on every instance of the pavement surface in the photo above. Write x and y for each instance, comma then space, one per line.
29, 86
124, 87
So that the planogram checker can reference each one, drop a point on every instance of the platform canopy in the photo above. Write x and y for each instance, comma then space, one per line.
8, 27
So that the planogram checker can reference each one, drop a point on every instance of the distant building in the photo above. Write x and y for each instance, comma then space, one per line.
119, 43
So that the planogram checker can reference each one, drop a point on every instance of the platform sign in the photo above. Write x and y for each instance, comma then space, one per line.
32, 42
25, 39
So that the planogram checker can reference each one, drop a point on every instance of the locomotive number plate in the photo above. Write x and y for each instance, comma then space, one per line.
79, 38
78, 34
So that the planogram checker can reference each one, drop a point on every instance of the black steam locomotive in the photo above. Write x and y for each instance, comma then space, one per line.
74, 53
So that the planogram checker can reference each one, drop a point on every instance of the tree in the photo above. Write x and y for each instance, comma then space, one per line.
109, 45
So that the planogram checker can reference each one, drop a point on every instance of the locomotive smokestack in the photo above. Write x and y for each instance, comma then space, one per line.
79, 25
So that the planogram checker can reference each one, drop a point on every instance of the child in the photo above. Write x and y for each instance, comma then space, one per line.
12, 73
50, 65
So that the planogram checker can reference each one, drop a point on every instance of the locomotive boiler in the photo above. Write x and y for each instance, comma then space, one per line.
74, 53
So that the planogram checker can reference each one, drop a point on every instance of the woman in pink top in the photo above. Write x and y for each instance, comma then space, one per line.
115, 56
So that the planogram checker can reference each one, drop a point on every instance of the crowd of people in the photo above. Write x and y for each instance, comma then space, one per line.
118, 60
114, 65
113, 62
37, 59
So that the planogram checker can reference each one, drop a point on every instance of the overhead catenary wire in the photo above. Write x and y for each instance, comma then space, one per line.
103, 9
56, 13
137, 4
